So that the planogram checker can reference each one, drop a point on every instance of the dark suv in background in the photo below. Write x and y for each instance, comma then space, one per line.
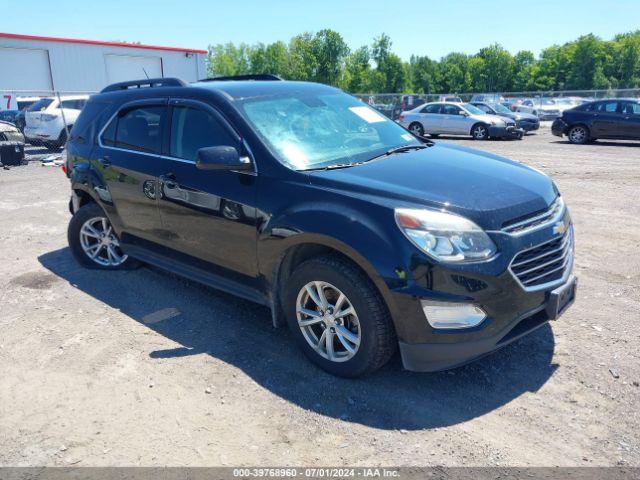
298, 196
615, 119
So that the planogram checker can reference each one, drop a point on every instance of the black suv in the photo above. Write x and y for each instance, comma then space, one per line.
300, 197
616, 119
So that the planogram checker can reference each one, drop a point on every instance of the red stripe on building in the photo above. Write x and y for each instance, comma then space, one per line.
97, 42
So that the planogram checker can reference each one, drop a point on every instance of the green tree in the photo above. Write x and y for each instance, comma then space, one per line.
228, 59
329, 50
302, 60
424, 74
356, 72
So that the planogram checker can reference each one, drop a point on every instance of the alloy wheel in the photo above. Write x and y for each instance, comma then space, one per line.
416, 129
328, 321
100, 243
480, 132
578, 135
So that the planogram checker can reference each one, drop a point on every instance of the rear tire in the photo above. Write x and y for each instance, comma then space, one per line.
417, 129
93, 242
578, 134
360, 342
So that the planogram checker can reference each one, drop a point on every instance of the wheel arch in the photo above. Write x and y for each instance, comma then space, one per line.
308, 246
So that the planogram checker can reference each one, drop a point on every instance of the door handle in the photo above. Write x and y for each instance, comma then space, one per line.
105, 161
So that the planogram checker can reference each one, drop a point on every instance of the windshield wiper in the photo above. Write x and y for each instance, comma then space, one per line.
400, 149
391, 151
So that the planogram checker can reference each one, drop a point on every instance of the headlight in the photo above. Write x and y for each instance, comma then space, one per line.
497, 121
444, 236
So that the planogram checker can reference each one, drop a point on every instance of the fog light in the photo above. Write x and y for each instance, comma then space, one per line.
452, 315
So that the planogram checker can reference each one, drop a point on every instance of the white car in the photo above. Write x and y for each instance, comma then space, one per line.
546, 108
45, 119
447, 118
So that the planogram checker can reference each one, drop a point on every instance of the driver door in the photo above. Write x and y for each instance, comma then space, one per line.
454, 121
208, 214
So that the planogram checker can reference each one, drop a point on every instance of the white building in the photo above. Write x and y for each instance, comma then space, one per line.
70, 65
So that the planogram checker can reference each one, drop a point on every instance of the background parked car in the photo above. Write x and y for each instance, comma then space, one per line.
458, 119
449, 98
487, 97
45, 119
17, 116
544, 108
526, 121
11, 144
610, 119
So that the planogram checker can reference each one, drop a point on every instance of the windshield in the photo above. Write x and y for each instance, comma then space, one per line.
312, 131
472, 109
498, 107
40, 105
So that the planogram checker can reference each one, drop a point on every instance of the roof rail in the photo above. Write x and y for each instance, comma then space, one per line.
258, 77
147, 83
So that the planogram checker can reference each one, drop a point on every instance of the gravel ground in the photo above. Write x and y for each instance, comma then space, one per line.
144, 368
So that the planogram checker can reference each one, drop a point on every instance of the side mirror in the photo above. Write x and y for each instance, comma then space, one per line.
463, 113
222, 157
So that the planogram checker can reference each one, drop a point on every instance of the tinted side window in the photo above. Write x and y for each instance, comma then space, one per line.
630, 108
84, 129
484, 108
137, 128
431, 109
606, 107
193, 129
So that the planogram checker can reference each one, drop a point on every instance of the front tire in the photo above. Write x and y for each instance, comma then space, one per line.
417, 129
338, 318
578, 134
93, 242
480, 132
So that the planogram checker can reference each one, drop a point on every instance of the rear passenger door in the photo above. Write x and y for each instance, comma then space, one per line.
131, 145
431, 119
208, 214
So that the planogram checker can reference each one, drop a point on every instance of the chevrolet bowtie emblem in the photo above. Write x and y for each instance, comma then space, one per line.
559, 228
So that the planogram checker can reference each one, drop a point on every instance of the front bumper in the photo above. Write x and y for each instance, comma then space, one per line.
42, 133
511, 308
429, 357
510, 132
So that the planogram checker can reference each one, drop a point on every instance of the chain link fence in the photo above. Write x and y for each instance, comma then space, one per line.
45, 117
393, 104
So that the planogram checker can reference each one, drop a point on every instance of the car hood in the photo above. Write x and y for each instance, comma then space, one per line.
488, 189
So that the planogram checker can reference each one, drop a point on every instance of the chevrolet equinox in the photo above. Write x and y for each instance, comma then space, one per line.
359, 235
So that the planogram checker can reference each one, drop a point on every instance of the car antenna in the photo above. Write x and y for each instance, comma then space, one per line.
145, 72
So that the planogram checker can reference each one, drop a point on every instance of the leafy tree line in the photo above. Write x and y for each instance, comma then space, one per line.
586, 63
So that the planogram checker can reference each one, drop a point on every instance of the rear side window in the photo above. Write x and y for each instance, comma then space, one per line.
431, 109
85, 128
193, 129
137, 128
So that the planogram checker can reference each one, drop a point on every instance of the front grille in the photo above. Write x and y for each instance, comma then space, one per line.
528, 222
544, 263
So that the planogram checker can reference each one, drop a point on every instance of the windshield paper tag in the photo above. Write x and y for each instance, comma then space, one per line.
408, 137
367, 114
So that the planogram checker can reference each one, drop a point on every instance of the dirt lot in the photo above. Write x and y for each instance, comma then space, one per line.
144, 368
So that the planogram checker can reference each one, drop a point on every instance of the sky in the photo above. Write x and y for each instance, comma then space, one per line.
434, 28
